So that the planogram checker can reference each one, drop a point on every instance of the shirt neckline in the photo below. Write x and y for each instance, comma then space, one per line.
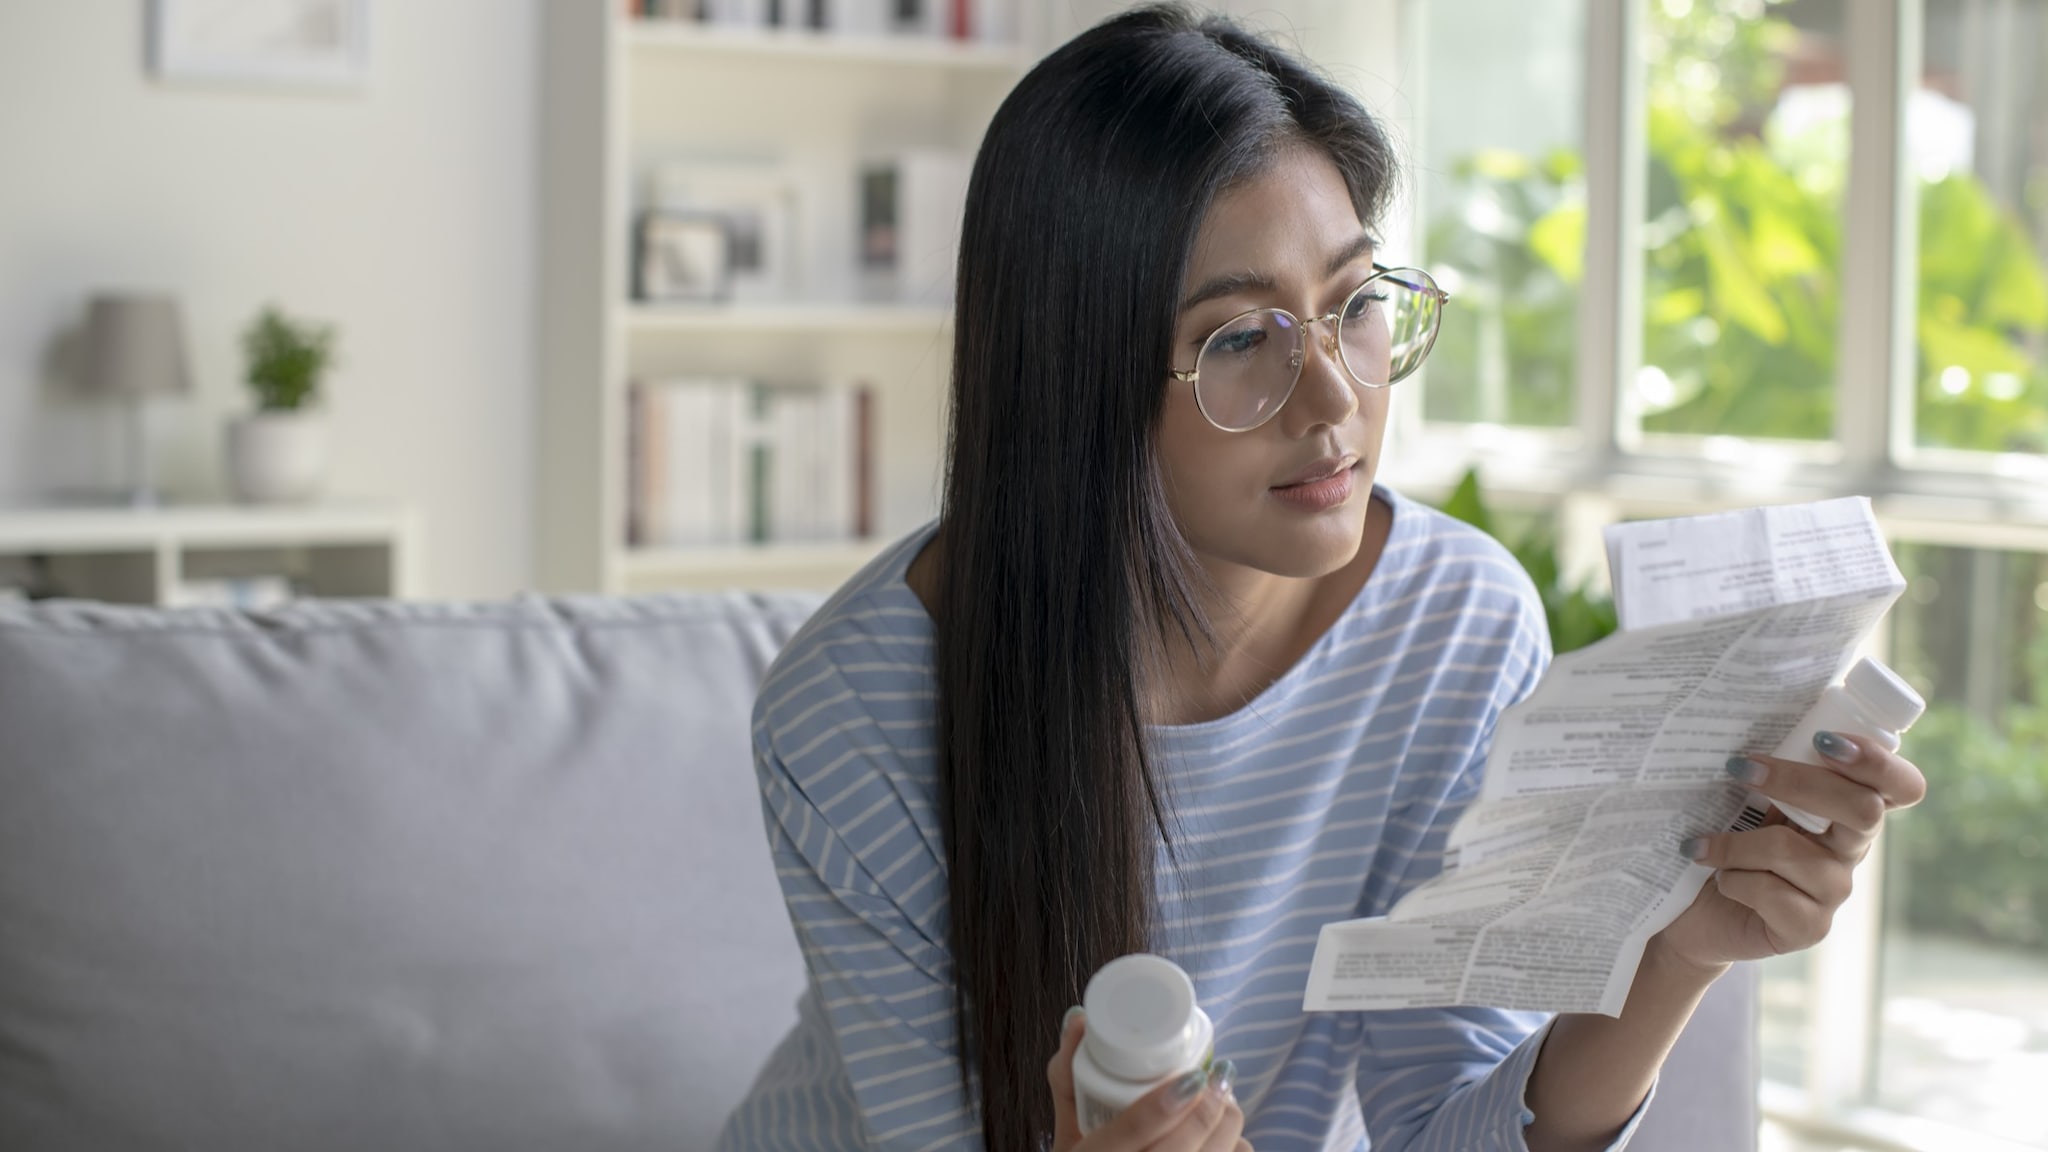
894, 579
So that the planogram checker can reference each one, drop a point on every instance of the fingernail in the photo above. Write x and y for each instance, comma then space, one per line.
1746, 770
1072, 1015
1694, 848
1185, 1088
1837, 748
1223, 1077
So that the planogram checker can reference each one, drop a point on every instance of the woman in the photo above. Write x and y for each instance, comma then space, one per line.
1170, 673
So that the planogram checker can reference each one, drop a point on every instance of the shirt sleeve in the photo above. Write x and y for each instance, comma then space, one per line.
1456, 1079
879, 972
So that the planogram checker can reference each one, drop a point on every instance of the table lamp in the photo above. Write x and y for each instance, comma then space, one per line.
135, 350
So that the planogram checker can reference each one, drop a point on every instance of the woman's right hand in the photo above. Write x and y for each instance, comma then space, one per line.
1197, 1114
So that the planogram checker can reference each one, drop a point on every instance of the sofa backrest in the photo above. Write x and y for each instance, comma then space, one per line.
364, 874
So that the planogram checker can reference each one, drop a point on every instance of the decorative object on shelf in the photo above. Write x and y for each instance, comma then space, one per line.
278, 454
910, 208
759, 204
135, 350
682, 256
317, 44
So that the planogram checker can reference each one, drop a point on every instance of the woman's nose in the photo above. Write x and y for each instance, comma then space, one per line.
1324, 394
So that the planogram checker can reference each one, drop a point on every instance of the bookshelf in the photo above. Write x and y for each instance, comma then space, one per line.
622, 95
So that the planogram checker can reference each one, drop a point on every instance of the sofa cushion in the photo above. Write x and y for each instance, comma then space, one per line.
366, 874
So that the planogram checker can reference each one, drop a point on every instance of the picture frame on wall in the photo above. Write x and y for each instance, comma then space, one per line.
321, 45
682, 256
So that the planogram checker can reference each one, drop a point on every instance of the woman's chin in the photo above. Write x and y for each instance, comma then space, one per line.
1306, 549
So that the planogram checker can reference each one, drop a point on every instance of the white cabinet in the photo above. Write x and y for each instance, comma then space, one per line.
157, 556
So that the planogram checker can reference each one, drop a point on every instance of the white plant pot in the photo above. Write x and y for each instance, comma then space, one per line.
277, 457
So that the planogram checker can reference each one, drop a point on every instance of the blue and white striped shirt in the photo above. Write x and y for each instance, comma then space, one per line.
1327, 797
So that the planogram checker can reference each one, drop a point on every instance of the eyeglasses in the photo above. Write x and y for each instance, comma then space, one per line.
1248, 367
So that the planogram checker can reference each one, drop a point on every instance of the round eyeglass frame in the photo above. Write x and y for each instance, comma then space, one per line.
1423, 283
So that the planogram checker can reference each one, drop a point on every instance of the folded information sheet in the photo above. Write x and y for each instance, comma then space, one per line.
1732, 625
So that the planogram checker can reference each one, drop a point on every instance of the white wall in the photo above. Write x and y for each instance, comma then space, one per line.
404, 214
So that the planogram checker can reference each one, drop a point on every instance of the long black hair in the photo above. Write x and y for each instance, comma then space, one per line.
1061, 574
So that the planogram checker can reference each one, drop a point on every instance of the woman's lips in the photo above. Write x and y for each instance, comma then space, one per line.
1319, 495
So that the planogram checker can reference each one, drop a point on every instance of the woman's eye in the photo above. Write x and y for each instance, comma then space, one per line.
1364, 302
1239, 342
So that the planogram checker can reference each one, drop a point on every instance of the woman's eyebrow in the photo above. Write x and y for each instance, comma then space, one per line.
1232, 283
1366, 242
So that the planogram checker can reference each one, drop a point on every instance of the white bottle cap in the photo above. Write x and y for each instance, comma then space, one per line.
1889, 700
1141, 1017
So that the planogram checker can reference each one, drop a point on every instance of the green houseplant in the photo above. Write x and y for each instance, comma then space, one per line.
278, 453
1578, 613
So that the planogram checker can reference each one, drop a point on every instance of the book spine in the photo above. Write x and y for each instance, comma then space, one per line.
725, 422
833, 476
995, 21
636, 465
710, 436
816, 516
785, 459
760, 454
864, 462
667, 488
655, 527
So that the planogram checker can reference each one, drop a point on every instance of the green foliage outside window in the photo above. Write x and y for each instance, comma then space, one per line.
1742, 263
1972, 859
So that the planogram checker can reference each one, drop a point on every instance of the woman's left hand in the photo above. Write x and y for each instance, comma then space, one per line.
1776, 887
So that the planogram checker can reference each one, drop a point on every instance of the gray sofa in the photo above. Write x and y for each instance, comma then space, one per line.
404, 876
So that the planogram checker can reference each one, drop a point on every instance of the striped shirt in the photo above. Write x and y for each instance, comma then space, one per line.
1327, 797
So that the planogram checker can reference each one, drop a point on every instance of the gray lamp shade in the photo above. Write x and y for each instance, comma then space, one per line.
134, 346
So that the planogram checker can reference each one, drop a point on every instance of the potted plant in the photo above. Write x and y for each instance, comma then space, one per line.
278, 453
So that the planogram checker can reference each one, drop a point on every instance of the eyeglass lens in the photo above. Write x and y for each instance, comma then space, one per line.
1249, 367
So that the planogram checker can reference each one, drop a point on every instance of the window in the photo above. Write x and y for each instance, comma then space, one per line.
1781, 250
1502, 179
1963, 1026
1978, 140
1747, 153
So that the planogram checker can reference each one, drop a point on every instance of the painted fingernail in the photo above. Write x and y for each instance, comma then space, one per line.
1185, 1088
1837, 748
1694, 848
1223, 1077
1746, 770
1072, 1015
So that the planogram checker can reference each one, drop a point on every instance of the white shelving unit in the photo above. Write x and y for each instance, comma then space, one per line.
140, 556
621, 95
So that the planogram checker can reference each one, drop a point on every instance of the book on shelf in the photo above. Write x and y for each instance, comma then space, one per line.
725, 461
911, 204
981, 21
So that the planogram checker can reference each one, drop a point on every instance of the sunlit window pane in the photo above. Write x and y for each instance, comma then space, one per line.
1783, 1019
1978, 142
1748, 115
1964, 987
1504, 196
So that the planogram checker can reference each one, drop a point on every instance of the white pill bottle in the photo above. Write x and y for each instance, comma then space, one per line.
1871, 706
1144, 1028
